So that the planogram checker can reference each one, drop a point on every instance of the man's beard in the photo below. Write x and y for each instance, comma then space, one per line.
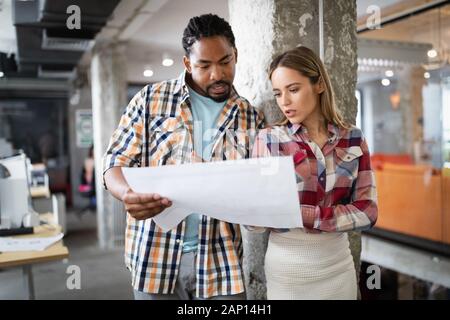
222, 97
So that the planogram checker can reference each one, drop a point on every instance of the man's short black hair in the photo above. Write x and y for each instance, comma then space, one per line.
206, 25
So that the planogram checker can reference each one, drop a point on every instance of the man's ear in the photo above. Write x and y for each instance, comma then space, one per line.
187, 64
235, 55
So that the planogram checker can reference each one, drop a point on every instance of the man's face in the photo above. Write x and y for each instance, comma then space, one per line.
211, 65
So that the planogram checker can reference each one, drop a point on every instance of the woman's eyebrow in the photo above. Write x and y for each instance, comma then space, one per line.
288, 86
293, 84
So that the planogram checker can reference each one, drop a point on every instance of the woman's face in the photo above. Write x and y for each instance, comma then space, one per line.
295, 95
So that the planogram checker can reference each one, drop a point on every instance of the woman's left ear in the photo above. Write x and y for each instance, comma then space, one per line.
320, 86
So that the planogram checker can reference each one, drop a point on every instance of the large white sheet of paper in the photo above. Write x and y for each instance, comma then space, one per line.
256, 192
27, 244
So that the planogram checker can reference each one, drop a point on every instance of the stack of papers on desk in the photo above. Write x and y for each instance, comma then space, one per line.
27, 244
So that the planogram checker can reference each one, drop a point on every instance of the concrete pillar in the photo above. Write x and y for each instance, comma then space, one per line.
411, 82
265, 28
109, 94
80, 98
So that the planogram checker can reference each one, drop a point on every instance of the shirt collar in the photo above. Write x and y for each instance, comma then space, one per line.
333, 130
181, 87
292, 128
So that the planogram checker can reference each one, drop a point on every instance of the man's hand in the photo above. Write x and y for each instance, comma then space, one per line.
142, 206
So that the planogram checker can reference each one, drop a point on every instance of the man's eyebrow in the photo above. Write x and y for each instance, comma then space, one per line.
225, 57
203, 61
222, 59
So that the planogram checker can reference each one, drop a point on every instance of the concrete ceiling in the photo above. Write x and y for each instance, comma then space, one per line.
45, 45
422, 28
154, 28
165, 28
431, 27
151, 28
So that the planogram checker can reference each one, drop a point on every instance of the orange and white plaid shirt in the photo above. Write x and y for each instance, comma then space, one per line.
156, 129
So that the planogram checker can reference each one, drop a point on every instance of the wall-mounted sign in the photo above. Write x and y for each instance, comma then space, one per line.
84, 128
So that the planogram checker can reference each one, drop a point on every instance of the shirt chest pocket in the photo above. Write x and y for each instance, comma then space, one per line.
347, 162
167, 141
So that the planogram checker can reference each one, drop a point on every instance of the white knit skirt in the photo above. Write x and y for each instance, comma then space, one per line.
306, 266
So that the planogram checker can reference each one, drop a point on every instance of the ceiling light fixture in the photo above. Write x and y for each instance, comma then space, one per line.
438, 55
432, 53
167, 61
148, 73
385, 82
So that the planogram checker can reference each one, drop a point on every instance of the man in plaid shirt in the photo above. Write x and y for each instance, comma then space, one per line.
197, 117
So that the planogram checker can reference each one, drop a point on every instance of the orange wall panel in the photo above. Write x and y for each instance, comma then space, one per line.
410, 202
446, 205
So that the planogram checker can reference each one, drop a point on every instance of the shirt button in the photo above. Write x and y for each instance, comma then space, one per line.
321, 178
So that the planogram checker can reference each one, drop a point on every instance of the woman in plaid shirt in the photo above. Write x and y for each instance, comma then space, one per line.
336, 185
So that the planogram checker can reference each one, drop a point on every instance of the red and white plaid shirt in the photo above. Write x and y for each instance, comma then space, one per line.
336, 185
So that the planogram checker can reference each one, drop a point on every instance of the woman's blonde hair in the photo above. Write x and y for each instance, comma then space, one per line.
308, 64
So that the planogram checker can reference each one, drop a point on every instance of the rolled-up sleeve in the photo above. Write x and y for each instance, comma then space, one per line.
125, 146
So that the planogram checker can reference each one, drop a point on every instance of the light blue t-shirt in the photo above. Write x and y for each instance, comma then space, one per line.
205, 112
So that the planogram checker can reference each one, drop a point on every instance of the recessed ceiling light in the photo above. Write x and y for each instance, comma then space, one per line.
432, 53
2, 74
385, 82
389, 73
426, 75
148, 73
167, 62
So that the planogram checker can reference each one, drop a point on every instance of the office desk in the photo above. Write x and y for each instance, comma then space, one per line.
26, 259
40, 192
